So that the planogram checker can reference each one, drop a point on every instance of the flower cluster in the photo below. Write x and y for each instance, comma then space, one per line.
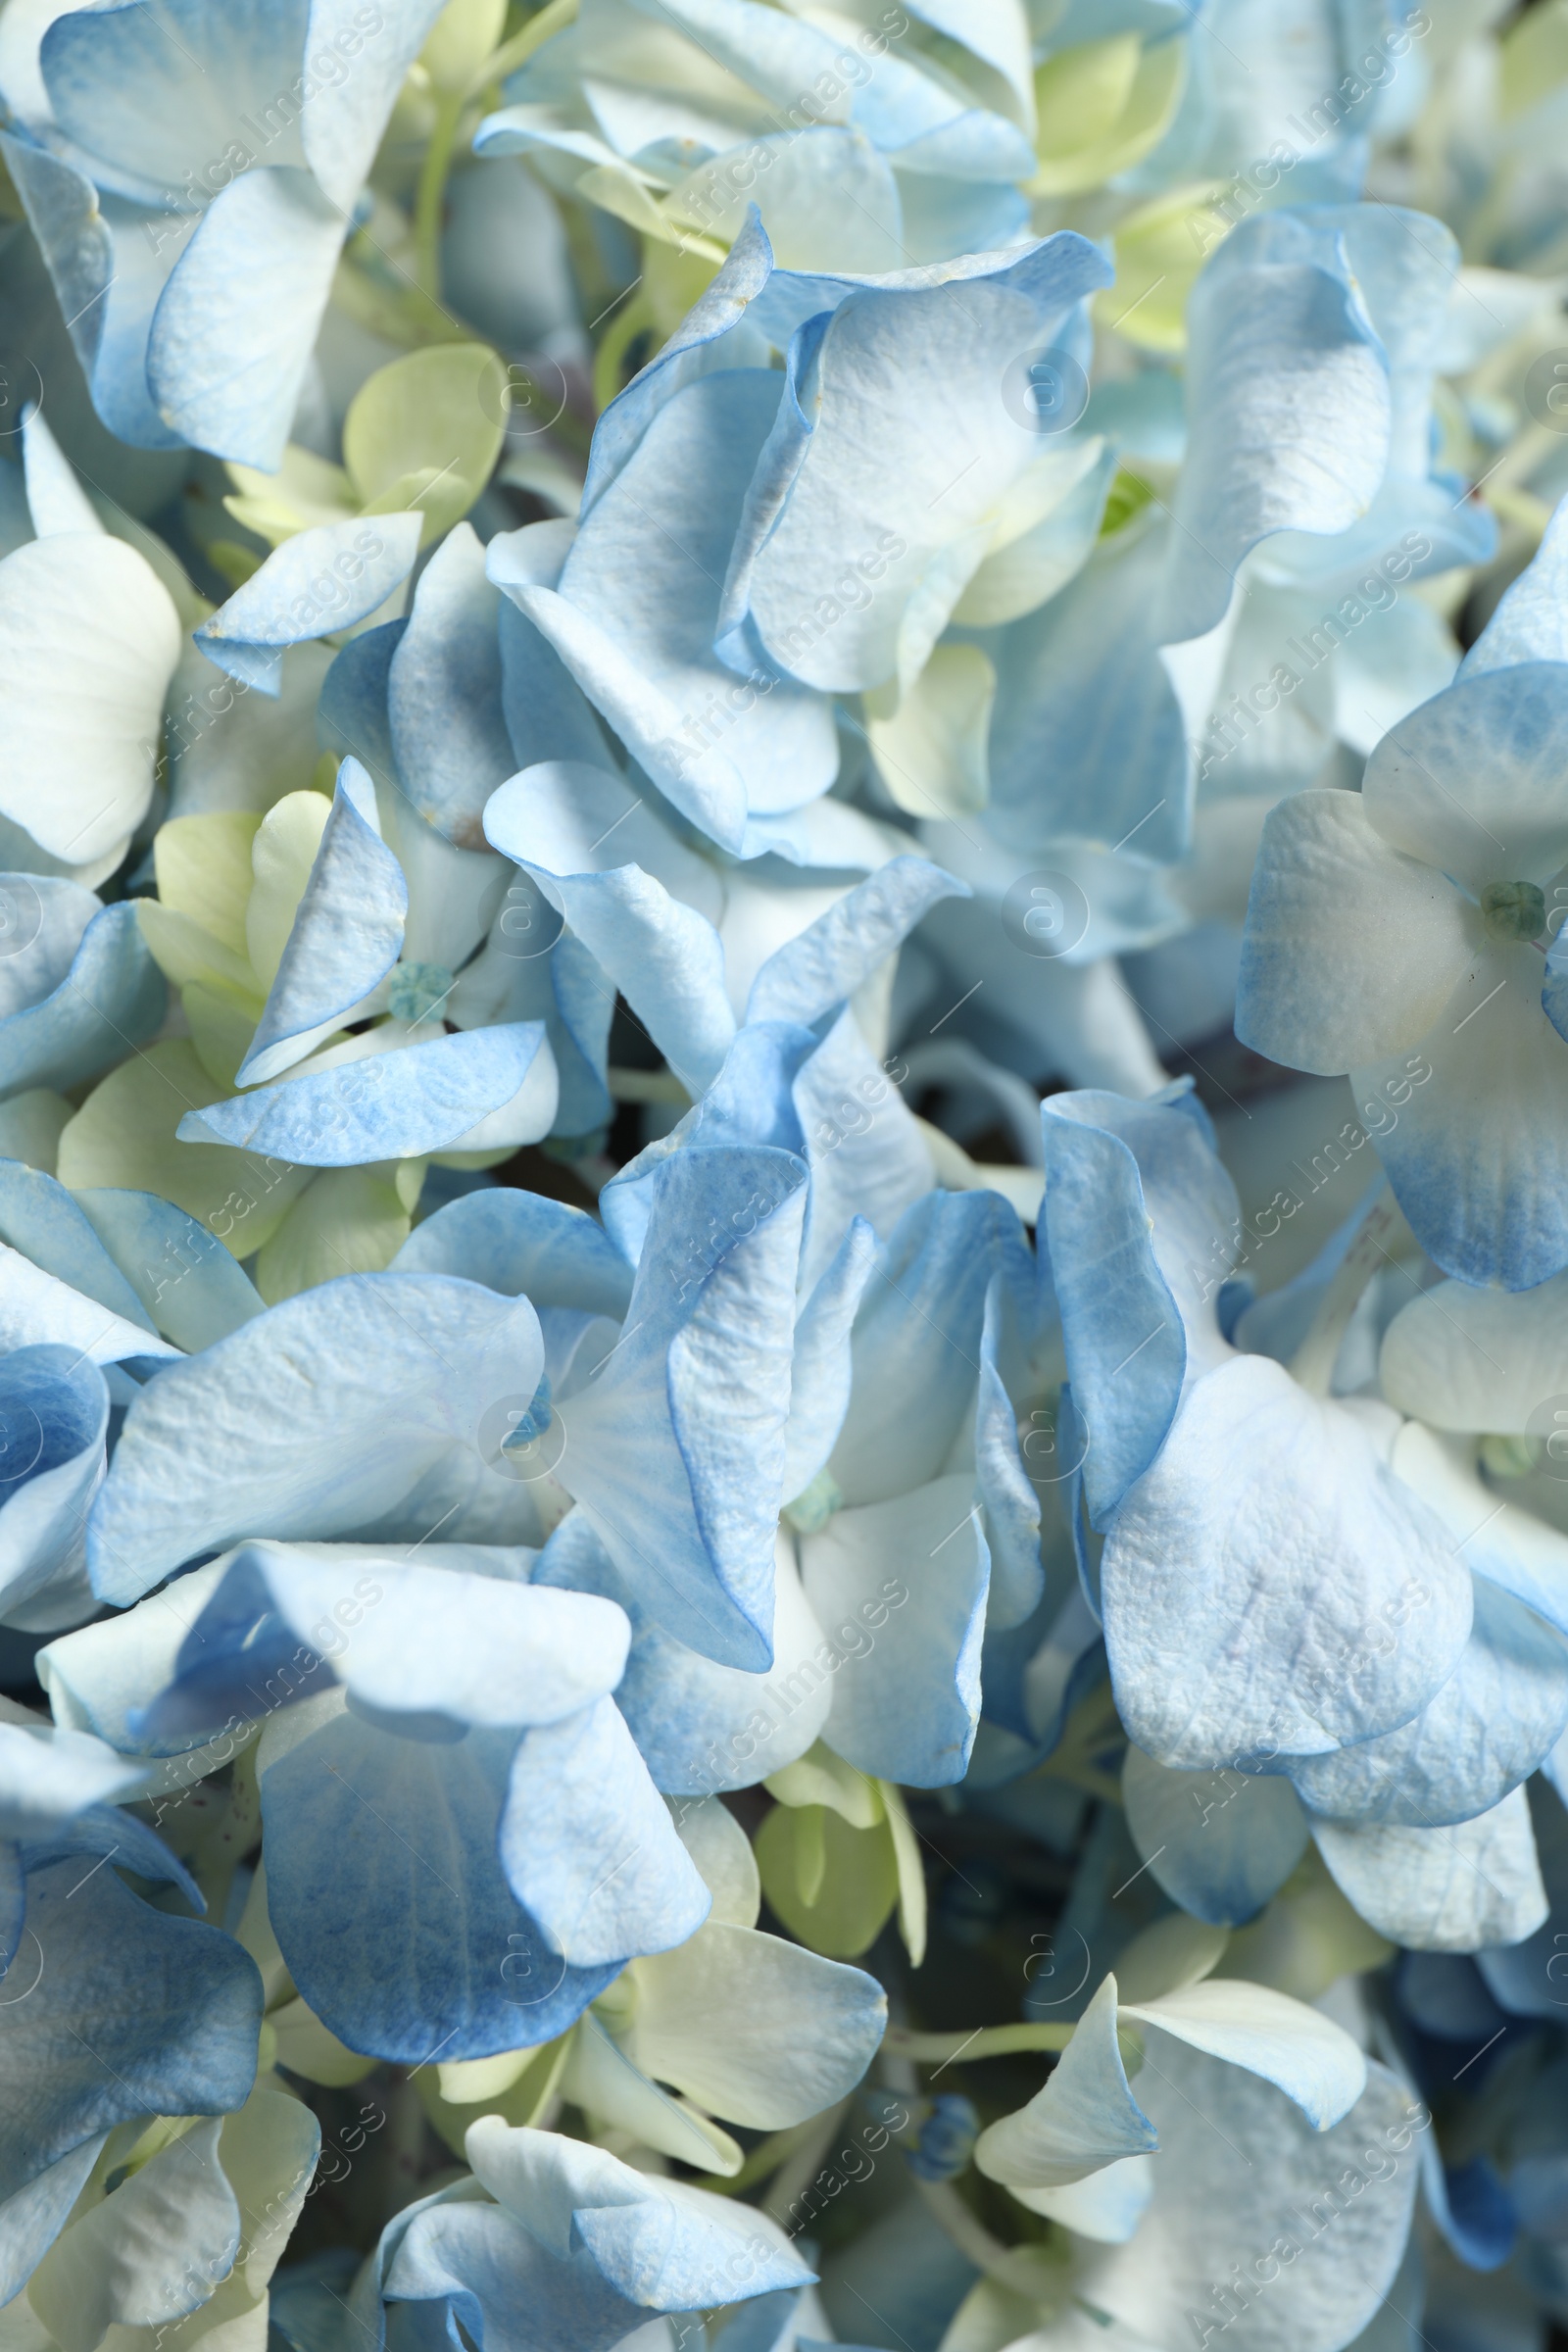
783, 1175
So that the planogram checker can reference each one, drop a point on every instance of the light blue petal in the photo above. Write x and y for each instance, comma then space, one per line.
721, 305
444, 703
345, 115
1495, 1719
1351, 948
1220, 1843
134, 2013
825, 964
548, 717
351, 714
38, 1309
109, 1829
1113, 1252
522, 1244
1087, 741
747, 1102
588, 1845
1530, 621
41, 1218
408, 1640
347, 933
233, 330
81, 1011
1010, 1499
658, 2242
1243, 2176
701, 1727
1085, 2118
1271, 1509
636, 609
676, 1438
820, 1387
319, 580
54, 1413
834, 594
631, 895
1451, 1889
56, 500
157, 96
313, 1420
1471, 782
48, 1776
108, 274
480, 2264
188, 1283
44, 919
915, 1569
568, 818
391, 1105
1289, 410
389, 1904
1479, 1160
865, 1152
32, 2219
916, 1342
579, 1038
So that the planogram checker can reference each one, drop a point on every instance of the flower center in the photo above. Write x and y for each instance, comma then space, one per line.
1513, 909
419, 988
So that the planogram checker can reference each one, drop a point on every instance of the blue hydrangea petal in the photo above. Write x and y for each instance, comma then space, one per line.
444, 692
914, 1569
1220, 1843
313, 1420
658, 2242
588, 1845
1455, 1889
320, 580
111, 995
677, 1440
520, 1244
1495, 1719
347, 933
1273, 1508
234, 328
447, 1092
389, 1904
193, 1289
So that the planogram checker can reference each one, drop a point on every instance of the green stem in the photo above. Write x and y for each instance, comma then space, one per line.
432, 198
992, 2041
522, 46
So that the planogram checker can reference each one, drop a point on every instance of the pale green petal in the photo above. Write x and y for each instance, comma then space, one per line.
347, 1221
124, 1135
